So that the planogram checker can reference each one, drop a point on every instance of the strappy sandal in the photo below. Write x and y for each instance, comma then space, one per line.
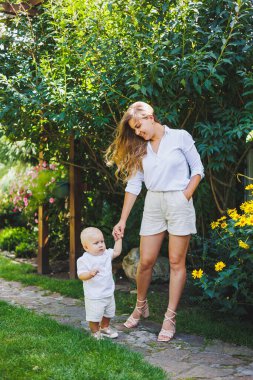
142, 310
167, 335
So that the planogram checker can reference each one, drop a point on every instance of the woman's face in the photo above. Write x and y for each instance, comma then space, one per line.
143, 127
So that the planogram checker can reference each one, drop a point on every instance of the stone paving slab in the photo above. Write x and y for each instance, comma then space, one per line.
187, 356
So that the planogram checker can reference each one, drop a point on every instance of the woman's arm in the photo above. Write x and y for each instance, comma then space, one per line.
119, 228
192, 186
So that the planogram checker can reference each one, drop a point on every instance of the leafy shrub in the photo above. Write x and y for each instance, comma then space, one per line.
13, 238
24, 249
229, 283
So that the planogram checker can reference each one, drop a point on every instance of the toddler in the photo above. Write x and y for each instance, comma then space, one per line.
94, 268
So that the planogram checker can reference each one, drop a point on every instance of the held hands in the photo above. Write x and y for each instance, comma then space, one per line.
118, 230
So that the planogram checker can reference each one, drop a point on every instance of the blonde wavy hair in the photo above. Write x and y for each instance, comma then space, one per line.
128, 149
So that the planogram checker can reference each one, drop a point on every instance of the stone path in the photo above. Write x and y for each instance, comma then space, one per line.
185, 357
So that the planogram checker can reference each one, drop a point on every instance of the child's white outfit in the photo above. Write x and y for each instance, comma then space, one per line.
99, 290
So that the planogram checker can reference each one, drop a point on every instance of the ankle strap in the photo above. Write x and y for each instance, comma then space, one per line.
172, 311
142, 301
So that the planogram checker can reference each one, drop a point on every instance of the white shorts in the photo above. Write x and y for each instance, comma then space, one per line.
169, 210
97, 309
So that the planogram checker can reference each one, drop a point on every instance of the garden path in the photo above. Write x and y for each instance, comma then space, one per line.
185, 357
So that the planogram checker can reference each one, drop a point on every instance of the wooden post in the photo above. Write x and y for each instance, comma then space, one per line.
43, 253
75, 202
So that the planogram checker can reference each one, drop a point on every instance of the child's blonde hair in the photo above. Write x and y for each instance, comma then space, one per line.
87, 233
128, 149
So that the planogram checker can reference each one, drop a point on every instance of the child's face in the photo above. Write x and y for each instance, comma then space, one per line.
95, 244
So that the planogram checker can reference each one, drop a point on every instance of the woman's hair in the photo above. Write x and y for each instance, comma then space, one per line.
128, 149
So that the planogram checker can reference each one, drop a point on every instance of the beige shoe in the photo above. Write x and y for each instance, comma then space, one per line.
167, 335
142, 310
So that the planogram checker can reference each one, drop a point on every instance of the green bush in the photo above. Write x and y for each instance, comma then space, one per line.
18, 239
25, 249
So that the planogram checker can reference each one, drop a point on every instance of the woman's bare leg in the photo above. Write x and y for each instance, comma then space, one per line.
149, 250
178, 247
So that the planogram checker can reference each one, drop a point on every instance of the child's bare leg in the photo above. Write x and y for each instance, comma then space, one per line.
94, 326
105, 322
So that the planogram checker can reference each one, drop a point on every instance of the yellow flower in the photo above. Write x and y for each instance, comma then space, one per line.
222, 218
219, 266
233, 214
242, 244
250, 221
214, 225
231, 211
242, 222
223, 225
249, 187
247, 207
197, 273
200, 273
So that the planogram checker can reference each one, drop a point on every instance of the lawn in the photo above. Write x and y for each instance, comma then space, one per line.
36, 347
192, 318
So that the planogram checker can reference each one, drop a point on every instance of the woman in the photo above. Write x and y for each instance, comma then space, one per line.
170, 166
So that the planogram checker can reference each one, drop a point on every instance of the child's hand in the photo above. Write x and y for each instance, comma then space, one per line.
117, 237
94, 272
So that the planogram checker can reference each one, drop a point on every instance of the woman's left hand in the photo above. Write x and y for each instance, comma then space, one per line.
187, 194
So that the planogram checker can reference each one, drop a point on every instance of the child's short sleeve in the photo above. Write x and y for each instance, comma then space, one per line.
110, 252
82, 266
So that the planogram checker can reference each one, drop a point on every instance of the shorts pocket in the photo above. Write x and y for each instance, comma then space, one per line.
184, 197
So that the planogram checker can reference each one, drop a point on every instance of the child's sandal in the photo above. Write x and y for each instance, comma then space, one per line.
97, 335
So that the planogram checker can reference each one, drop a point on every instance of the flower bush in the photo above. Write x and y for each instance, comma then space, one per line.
34, 187
227, 275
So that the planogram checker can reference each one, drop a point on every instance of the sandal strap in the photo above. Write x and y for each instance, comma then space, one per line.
170, 318
140, 308
131, 319
172, 311
167, 333
131, 322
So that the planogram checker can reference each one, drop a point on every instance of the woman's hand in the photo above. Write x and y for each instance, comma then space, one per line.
187, 194
118, 230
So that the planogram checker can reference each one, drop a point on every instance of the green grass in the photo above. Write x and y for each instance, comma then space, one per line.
36, 347
192, 319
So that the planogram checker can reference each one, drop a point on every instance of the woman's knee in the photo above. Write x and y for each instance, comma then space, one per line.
146, 263
177, 265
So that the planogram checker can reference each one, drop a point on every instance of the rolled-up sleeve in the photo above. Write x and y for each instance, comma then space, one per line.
191, 154
134, 184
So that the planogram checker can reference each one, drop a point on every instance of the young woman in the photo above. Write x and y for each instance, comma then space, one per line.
167, 161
